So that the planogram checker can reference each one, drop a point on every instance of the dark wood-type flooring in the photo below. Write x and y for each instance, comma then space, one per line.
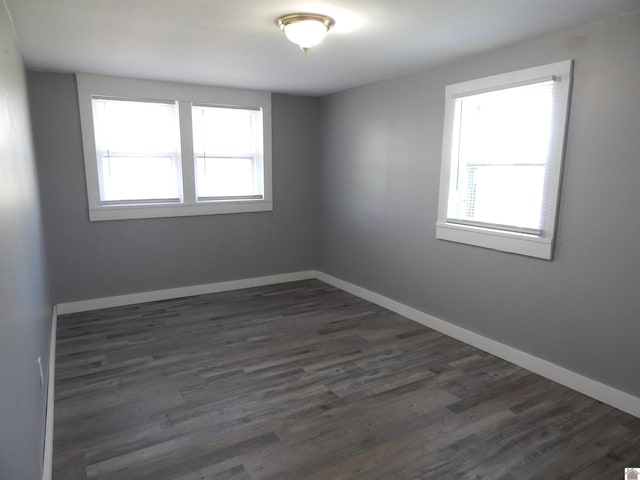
302, 381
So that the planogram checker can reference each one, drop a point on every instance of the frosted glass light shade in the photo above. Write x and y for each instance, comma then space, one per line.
305, 29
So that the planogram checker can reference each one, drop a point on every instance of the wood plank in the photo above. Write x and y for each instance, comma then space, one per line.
302, 381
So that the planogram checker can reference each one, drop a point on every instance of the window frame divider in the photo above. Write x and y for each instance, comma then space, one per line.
186, 147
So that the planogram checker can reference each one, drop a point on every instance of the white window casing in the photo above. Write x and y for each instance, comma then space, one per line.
93, 89
502, 155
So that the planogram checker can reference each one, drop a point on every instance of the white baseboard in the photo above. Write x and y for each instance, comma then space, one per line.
592, 388
47, 462
168, 294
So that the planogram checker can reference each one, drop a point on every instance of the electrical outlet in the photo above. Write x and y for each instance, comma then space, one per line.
41, 372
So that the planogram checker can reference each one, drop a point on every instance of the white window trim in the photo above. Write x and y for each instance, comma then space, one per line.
540, 246
185, 95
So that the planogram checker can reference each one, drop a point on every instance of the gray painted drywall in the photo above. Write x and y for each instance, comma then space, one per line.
379, 175
25, 308
98, 259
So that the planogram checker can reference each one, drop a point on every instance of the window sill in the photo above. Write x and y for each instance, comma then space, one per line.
124, 212
521, 244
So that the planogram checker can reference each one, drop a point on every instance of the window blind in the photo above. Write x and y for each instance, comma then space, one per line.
137, 148
501, 154
227, 147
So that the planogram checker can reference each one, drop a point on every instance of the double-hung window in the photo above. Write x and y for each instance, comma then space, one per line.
228, 152
502, 159
155, 149
137, 151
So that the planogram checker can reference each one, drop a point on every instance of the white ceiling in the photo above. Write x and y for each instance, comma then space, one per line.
237, 43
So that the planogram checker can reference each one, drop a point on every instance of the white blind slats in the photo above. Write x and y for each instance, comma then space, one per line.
502, 144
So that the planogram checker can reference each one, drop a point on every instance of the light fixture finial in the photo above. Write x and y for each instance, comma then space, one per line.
305, 29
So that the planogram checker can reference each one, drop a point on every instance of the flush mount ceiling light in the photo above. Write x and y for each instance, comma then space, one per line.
305, 29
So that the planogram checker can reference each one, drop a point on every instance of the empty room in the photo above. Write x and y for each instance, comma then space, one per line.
332, 240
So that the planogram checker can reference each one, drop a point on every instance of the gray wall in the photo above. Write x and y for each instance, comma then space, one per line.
25, 309
379, 180
374, 223
97, 259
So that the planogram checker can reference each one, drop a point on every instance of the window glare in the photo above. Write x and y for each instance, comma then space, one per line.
139, 178
503, 143
226, 151
137, 148
223, 130
223, 177
135, 127
505, 195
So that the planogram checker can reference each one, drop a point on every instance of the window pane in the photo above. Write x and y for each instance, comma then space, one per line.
502, 144
489, 185
137, 150
225, 131
507, 126
228, 151
135, 127
139, 178
226, 177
